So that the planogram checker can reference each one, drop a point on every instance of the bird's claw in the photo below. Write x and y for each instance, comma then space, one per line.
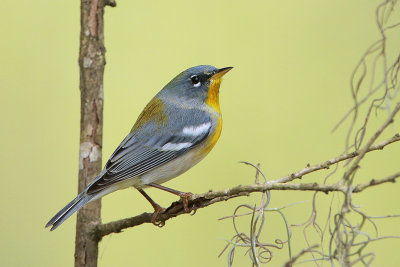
185, 200
157, 210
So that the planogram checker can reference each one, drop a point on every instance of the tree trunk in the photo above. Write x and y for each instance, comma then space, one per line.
91, 64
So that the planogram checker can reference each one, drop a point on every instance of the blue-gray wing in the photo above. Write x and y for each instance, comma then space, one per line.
137, 155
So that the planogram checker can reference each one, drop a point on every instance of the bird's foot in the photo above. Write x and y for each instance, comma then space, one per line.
157, 210
185, 200
193, 211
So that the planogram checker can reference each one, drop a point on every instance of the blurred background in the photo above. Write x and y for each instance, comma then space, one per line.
289, 87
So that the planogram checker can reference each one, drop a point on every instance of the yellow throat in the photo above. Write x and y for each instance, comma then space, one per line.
213, 93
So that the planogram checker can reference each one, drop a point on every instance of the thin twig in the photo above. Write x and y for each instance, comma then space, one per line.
328, 163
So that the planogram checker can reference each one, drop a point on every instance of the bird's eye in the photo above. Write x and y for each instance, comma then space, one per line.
195, 80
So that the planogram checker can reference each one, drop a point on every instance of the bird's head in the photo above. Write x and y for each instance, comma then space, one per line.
196, 85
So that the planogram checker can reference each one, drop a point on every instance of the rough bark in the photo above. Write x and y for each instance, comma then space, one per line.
91, 64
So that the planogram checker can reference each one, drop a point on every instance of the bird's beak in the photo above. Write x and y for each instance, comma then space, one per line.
220, 72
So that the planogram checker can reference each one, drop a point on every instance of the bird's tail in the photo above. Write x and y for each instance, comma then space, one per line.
70, 209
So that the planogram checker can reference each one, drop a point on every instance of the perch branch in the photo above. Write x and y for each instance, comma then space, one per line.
211, 197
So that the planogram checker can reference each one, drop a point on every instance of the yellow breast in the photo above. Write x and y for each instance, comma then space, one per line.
212, 139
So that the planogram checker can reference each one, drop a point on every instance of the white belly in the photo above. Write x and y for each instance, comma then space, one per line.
172, 169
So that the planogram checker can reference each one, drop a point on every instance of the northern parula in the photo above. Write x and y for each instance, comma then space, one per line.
175, 131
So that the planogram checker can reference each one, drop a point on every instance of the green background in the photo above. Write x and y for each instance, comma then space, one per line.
289, 87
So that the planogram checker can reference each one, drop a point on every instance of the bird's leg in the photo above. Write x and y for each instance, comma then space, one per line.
183, 195
157, 209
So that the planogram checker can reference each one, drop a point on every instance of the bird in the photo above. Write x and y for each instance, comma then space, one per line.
174, 132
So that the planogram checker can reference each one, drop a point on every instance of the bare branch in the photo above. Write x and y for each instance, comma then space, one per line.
211, 197
365, 149
389, 179
328, 163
